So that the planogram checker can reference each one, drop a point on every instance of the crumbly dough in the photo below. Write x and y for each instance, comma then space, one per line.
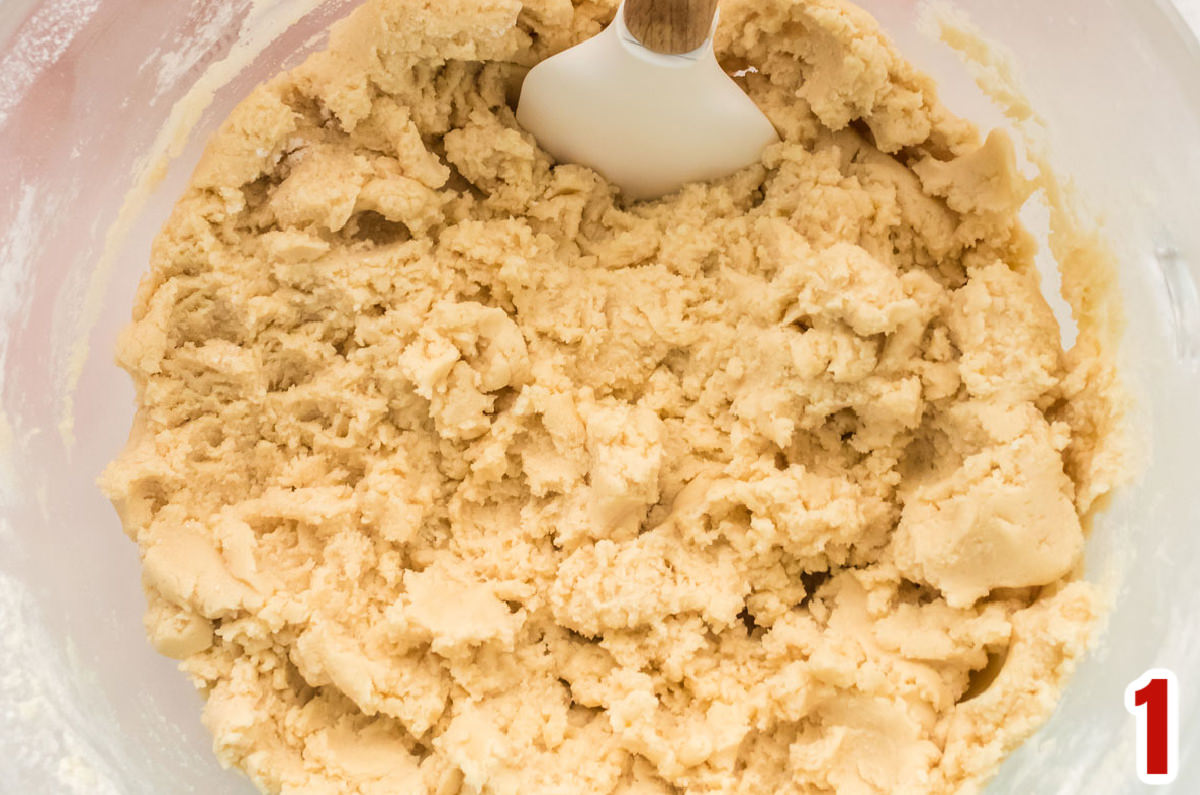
454, 472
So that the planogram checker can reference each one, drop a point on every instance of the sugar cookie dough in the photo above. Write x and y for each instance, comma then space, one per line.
455, 472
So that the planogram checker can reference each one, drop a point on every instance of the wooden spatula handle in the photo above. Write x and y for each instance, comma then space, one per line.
670, 27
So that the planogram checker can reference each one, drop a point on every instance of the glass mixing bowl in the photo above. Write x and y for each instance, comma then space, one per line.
85, 86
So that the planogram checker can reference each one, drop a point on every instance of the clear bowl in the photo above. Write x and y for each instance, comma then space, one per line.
85, 86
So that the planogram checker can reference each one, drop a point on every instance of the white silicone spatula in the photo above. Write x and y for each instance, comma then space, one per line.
645, 103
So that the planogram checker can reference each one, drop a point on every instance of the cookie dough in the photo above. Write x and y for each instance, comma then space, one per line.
455, 472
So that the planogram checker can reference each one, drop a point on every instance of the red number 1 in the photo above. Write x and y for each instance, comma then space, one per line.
1153, 698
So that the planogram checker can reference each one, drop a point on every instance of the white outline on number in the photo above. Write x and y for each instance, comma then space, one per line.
1142, 714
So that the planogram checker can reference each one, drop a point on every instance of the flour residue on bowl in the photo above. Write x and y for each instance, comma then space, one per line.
40, 42
45, 720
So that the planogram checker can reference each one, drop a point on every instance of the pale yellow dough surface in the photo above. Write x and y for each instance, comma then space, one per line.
453, 472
